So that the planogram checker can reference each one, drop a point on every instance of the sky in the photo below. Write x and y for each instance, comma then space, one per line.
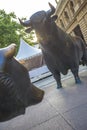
25, 8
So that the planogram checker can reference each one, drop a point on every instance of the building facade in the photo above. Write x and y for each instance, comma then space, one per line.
72, 17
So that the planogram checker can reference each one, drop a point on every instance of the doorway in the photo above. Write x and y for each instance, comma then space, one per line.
78, 32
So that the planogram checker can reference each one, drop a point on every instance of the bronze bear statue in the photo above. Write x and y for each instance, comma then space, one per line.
16, 90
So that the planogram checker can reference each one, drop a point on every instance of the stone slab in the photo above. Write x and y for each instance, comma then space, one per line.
56, 123
77, 117
61, 109
34, 115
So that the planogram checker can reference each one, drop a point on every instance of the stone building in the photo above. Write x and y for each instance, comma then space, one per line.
72, 17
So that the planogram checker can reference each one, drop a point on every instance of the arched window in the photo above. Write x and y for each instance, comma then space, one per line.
66, 15
79, 2
72, 6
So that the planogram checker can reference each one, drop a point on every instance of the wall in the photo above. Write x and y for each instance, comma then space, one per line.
72, 16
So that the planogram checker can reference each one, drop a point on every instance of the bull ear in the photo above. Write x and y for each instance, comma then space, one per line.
54, 18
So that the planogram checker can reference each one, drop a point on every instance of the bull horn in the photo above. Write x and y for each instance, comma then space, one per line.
8, 51
26, 23
52, 11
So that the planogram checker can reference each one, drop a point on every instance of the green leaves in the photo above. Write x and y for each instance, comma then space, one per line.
11, 30
8, 28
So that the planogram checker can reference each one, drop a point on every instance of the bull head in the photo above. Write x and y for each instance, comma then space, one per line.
16, 90
38, 18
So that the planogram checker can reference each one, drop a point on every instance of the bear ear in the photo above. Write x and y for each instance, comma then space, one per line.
54, 18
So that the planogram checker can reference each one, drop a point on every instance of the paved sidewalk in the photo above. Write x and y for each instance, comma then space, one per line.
61, 109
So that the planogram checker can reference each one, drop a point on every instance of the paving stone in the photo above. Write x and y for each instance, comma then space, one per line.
68, 97
77, 117
61, 109
56, 123
34, 115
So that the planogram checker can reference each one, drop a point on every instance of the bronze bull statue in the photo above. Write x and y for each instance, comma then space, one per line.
16, 90
61, 51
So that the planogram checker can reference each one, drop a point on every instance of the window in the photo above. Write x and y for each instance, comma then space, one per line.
79, 2
72, 6
61, 22
66, 15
